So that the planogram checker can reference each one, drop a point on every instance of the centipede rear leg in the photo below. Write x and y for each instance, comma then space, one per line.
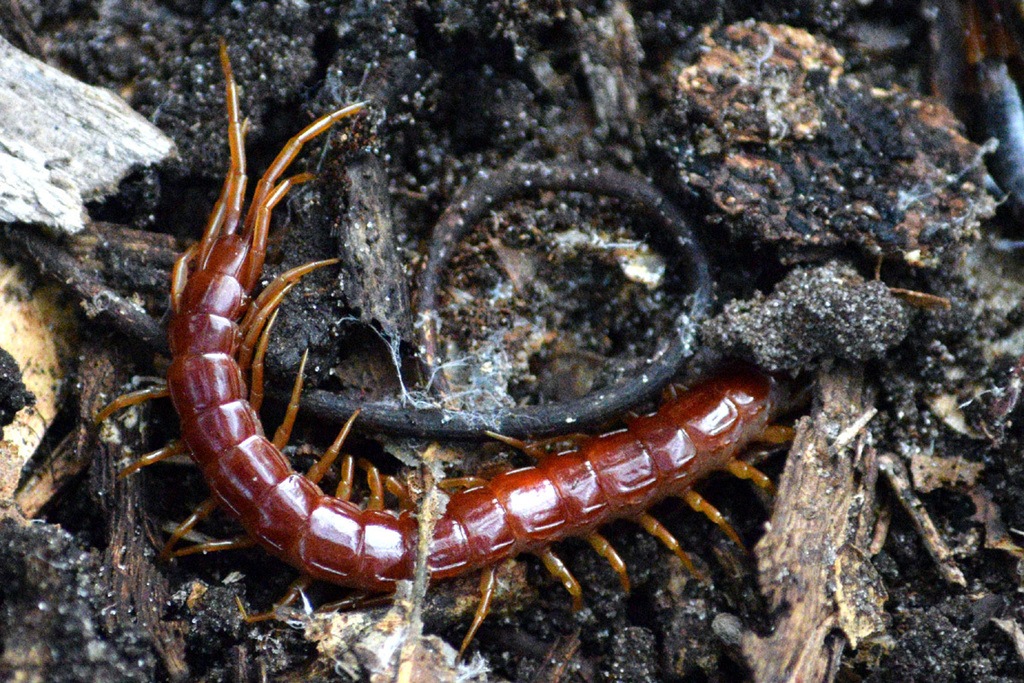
744, 470
701, 505
294, 591
538, 449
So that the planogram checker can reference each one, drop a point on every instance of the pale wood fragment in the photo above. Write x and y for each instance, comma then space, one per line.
63, 143
813, 563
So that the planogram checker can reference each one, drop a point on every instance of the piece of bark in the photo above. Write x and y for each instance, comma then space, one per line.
137, 587
610, 54
39, 332
813, 562
63, 143
898, 477
373, 278
97, 300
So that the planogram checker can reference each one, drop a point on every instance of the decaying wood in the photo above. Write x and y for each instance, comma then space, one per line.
898, 477
97, 300
813, 563
63, 143
38, 331
374, 279
134, 578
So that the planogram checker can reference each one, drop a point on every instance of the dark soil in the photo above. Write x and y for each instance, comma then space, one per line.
846, 218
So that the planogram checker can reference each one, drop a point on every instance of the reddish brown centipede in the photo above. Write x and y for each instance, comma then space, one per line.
217, 335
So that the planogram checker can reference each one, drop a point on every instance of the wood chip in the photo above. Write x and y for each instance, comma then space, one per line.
987, 512
1011, 628
896, 474
38, 330
63, 143
813, 563
931, 472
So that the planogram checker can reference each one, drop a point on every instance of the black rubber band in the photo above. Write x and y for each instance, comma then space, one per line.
482, 194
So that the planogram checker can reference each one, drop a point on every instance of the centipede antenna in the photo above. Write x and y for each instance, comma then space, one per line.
132, 398
701, 505
176, 447
558, 569
319, 469
483, 608
608, 552
284, 431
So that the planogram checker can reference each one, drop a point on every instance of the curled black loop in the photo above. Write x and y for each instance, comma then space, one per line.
490, 189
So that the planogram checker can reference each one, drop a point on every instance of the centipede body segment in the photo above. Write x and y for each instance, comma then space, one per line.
214, 336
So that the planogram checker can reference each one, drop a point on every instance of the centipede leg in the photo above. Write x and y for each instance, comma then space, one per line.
562, 573
356, 600
460, 483
525, 446
318, 470
179, 277
256, 372
239, 542
701, 505
202, 511
400, 491
608, 552
656, 529
744, 470
176, 447
284, 431
671, 392
132, 398
266, 303
483, 608
776, 435
538, 449
295, 590
376, 499
348, 470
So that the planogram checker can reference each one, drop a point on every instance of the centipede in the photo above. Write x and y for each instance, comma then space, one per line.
217, 336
